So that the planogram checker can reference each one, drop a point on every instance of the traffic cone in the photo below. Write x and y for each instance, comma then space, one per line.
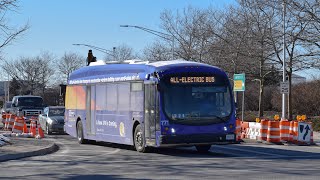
33, 128
25, 129
41, 134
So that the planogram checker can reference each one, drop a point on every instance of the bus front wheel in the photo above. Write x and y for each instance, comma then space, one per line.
80, 137
203, 148
139, 142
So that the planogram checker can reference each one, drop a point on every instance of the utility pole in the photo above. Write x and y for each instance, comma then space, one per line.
284, 61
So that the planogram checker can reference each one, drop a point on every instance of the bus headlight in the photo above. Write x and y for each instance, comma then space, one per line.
225, 128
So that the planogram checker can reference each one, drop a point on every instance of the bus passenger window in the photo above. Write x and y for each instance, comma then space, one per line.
136, 86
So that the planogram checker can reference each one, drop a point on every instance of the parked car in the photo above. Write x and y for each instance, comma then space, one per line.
52, 119
5, 109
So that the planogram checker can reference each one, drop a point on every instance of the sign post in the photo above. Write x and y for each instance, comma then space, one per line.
239, 85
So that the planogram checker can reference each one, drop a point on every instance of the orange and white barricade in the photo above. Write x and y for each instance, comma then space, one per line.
35, 129
293, 131
273, 135
18, 125
284, 130
254, 130
244, 129
40, 131
304, 133
264, 129
9, 122
238, 130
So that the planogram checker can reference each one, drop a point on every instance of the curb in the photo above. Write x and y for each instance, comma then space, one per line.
47, 150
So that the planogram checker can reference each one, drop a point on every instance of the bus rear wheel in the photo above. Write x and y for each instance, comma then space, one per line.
203, 148
139, 142
80, 137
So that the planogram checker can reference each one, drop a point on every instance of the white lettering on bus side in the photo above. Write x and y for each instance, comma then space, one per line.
108, 79
106, 123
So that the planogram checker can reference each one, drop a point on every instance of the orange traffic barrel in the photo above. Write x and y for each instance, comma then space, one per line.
238, 130
33, 127
264, 129
284, 130
273, 132
295, 125
40, 132
9, 121
18, 125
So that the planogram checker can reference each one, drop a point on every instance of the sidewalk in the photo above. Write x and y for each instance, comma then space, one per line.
26, 147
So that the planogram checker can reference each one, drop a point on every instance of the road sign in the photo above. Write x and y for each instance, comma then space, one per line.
239, 82
284, 87
304, 132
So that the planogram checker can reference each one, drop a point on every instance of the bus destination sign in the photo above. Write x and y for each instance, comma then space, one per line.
187, 80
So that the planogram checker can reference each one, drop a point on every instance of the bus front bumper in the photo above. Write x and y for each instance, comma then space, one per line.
195, 139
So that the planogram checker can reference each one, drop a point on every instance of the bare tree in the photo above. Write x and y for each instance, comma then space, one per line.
158, 51
298, 25
190, 31
308, 11
121, 53
262, 21
32, 73
68, 63
8, 33
46, 70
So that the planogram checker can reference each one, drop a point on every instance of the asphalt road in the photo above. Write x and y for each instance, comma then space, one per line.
110, 161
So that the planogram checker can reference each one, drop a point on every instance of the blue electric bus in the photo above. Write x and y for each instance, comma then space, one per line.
165, 103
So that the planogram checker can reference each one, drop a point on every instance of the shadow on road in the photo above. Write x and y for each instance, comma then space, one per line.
94, 177
221, 151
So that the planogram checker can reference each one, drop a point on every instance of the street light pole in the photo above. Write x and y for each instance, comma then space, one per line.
111, 53
166, 36
284, 61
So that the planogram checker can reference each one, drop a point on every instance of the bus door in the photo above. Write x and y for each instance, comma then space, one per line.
151, 102
90, 110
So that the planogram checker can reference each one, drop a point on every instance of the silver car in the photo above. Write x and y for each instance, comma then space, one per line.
52, 119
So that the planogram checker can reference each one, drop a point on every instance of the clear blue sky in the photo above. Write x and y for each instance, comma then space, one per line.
57, 24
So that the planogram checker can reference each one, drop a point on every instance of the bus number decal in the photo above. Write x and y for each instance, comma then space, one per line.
164, 123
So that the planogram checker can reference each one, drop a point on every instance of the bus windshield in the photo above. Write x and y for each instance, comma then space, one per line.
197, 104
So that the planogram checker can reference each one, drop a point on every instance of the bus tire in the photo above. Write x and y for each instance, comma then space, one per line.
138, 139
203, 148
80, 136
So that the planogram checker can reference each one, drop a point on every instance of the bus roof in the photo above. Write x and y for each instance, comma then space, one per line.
124, 72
